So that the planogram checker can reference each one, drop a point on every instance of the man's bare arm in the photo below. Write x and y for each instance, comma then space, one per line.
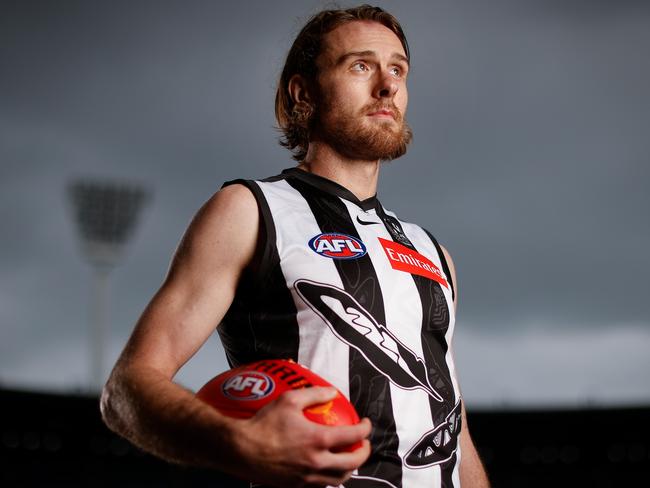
472, 471
140, 401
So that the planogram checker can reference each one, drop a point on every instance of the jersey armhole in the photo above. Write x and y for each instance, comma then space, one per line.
262, 262
443, 260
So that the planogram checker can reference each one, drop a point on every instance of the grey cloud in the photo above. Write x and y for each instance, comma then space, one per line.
529, 161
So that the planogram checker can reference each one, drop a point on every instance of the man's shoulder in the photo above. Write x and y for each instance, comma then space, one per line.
228, 206
247, 191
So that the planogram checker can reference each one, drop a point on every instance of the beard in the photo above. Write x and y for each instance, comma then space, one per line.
355, 137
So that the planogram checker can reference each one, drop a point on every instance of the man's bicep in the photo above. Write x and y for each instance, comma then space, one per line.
200, 285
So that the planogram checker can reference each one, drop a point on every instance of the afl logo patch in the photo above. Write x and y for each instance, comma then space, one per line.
249, 385
337, 246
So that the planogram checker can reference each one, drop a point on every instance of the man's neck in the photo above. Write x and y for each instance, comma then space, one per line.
360, 177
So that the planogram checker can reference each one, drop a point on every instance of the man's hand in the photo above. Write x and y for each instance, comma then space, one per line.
283, 448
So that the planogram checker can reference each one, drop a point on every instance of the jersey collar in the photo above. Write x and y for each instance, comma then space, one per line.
331, 187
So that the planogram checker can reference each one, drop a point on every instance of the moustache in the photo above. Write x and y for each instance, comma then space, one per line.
377, 106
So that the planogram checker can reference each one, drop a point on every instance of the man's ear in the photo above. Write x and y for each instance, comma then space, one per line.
299, 90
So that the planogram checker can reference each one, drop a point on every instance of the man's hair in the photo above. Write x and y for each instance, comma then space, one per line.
295, 120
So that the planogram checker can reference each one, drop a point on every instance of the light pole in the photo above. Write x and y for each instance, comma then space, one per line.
106, 214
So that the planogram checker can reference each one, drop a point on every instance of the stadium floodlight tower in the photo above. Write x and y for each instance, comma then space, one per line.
106, 214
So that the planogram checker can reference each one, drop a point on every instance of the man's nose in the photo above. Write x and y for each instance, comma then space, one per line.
386, 86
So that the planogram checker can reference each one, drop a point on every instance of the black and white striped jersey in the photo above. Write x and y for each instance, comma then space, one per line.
365, 300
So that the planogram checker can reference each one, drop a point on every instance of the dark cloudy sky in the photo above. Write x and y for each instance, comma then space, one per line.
531, 164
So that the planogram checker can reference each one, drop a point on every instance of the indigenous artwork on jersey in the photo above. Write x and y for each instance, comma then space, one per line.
355, 326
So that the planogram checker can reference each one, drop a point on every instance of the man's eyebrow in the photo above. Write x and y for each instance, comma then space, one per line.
369, 54
402, 58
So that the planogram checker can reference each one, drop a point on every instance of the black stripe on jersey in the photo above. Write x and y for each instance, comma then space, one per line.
369, 389
443, 260
261, 325
435, 322
331, 187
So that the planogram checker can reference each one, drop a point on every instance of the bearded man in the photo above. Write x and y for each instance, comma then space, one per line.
309, 265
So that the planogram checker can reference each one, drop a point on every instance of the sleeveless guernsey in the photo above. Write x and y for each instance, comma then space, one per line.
365, 300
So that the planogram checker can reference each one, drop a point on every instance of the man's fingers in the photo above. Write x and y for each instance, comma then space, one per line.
337, 468
344, 435
345, 461
306, 397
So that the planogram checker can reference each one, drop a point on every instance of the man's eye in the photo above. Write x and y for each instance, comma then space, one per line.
396, 71
359, 66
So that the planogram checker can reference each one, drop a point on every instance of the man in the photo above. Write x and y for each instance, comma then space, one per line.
308, 265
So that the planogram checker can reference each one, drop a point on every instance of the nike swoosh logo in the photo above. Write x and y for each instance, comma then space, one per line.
362, 222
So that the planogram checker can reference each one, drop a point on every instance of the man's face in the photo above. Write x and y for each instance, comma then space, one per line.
362, 93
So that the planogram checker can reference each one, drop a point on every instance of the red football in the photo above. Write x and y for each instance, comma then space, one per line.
242, 391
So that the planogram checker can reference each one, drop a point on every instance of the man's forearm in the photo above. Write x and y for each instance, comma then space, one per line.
166, 420
472, 471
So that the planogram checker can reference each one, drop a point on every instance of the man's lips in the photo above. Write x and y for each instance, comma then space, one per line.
382, 113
